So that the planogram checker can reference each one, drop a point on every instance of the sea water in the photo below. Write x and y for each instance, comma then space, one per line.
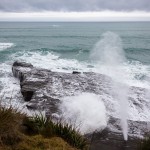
120, 50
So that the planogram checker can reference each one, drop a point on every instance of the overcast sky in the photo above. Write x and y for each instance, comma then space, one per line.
74, 10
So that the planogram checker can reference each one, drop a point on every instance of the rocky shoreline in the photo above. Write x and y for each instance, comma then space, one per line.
42, 90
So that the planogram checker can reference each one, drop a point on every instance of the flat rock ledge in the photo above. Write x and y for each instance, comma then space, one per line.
42, 89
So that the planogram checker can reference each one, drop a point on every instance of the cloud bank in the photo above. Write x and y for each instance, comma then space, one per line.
73, 5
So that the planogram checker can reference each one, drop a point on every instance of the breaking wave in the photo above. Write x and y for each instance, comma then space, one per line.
108, 58
4, 46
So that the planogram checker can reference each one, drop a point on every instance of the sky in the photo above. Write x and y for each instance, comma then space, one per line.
74, 10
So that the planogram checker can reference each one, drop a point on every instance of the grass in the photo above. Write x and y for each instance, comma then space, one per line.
10, 124
20, 132
44, 126
37, 142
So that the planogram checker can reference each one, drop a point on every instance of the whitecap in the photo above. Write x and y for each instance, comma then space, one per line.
4, 46
52, 61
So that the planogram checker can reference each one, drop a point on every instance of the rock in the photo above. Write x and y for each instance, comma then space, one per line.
20, 69
31, 106
135, 128
108, 140
43, 89
22, 64
27, 95
76, 72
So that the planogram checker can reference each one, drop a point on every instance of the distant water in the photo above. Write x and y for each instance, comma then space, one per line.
119, 50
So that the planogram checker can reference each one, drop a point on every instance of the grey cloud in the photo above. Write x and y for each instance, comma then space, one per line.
73, 5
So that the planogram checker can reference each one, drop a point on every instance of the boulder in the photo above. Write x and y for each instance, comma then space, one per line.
76, 72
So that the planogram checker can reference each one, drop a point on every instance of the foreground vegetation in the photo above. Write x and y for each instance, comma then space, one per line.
20, 132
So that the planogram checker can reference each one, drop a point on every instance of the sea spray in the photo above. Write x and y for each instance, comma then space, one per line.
108, 52
4, 46
85, 110
121, 91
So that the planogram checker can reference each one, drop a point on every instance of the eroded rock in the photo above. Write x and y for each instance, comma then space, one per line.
43, 89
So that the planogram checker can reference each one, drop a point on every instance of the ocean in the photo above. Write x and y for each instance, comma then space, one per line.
120, 50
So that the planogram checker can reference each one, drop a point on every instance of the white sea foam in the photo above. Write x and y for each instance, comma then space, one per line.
10, 90
130, 73
109, 52
52, 62
4, 46
55, 63
55, 26
86, 110
122, 72
10, 94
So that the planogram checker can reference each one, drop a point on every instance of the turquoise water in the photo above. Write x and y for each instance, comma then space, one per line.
68, 46
118, 50
74, 40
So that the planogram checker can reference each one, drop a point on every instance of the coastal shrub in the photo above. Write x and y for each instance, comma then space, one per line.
13, 134
10, 120
71, 135
39, 125
45, 127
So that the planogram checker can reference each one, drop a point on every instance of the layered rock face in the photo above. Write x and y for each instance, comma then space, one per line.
43, 89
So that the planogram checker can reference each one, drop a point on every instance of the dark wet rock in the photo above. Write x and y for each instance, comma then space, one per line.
135, 128
27, 94
76, 72
108, 140
31, 106
22, 64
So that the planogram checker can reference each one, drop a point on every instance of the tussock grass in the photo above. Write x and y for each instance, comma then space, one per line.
20, 132
10, 126
45, 127
9, 119
37, 142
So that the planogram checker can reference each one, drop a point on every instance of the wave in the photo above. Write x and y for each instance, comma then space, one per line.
51, 61
56, 26
109, 58
10, 94
9, 89
133, 73
118, 68
4, 46
62, 49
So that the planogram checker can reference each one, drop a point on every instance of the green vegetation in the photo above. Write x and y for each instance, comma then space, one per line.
20, 132
44, 126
